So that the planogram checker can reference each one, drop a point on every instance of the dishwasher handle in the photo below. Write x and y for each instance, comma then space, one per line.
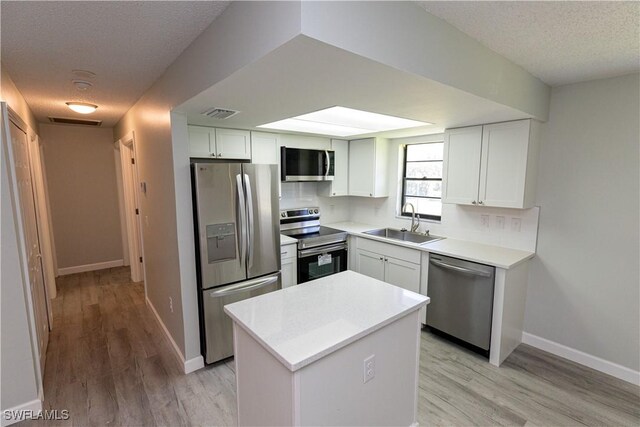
459, 269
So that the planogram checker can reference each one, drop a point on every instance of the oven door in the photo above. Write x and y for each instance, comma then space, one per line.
315, 263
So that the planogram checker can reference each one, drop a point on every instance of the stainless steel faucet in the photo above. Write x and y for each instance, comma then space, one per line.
414, 225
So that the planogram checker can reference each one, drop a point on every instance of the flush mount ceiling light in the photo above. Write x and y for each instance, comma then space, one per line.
82, 107
342, 121
81, 84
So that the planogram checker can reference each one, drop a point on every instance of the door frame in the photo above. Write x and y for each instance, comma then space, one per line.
7, 116
131, 203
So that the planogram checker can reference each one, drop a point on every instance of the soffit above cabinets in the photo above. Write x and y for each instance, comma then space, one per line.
306, 75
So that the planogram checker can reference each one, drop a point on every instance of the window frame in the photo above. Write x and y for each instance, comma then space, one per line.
404, 180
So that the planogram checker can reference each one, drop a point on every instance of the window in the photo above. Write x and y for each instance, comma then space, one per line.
422, 179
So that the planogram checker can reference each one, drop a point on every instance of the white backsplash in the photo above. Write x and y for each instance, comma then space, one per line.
458, 222
305, 194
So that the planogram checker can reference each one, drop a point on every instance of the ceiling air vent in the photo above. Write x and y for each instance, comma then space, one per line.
219, 113
68, 121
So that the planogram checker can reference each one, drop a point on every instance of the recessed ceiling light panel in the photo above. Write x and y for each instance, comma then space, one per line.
342, 121
82, 107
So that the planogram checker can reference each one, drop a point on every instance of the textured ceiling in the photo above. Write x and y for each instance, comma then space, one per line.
128, 44
558, 42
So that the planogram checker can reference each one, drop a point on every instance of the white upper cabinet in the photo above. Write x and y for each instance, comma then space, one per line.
491, 165
206, 142
265, 148
368, 167
202, 142
340, 184
233, 144
461, 168
509, 164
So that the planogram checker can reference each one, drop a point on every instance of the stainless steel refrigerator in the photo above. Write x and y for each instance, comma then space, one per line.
238, 243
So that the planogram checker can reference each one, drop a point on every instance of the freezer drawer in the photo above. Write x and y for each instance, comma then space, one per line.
461, 295
218, 327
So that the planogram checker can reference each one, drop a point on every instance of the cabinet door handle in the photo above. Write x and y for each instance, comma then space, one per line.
481, 202
473, 203
386, 259
370, 194
381, 259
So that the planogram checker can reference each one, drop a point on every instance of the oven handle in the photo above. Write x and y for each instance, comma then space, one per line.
323, 250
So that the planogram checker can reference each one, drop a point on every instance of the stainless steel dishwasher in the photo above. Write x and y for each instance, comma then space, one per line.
461, 295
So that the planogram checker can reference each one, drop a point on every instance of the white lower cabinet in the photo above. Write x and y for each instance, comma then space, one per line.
390, 263
403, 274
289, 265
370, 264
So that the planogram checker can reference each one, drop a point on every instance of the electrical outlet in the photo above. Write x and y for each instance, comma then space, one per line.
500, 222
484, 221
171, 304
369, 368
515, 224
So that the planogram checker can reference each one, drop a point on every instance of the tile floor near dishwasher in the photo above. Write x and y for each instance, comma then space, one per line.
109, 363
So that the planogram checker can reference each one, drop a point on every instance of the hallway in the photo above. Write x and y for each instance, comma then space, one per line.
109, 362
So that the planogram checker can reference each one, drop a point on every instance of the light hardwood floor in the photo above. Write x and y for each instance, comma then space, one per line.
108, 363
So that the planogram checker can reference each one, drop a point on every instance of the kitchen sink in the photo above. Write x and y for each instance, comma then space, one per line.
403, 235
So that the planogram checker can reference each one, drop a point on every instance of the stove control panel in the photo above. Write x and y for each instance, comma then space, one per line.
300, 213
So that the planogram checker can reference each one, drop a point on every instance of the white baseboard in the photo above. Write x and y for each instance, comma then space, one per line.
582, 358
193, 365
35, 406
188, 366
90, 267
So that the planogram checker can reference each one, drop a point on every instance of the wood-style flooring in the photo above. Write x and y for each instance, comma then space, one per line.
109, 363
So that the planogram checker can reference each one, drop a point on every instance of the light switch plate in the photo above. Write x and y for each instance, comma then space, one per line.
369, 366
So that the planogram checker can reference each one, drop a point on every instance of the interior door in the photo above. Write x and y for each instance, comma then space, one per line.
32, 244
261, 187
221, 220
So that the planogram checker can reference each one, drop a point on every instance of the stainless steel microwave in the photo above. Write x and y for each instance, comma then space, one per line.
299, 164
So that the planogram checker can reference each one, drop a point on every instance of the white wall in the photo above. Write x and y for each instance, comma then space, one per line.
402, 35
83, 192
584, 288
461, 222
243, 33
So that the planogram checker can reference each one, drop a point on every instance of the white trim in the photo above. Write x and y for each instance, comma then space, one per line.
33, 405
193, 365
582, 358
188, 366
90, 267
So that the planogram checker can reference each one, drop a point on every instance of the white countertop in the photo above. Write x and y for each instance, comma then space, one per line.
286, 240
301, 324
463, 249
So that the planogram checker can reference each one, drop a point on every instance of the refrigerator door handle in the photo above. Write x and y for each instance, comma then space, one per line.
250, 223
242, 227
243, 287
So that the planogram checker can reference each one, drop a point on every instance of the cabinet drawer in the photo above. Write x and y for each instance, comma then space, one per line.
388, 249
288, 251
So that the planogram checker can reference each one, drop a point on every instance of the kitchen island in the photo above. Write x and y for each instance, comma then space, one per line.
341, 350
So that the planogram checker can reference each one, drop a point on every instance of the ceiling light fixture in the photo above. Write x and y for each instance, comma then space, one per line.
81, 84
82, 107
342, 122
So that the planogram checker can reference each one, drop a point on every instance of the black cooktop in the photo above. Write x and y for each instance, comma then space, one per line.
311, 232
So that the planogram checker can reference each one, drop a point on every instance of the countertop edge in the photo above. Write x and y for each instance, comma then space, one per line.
301, 364
426, 248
